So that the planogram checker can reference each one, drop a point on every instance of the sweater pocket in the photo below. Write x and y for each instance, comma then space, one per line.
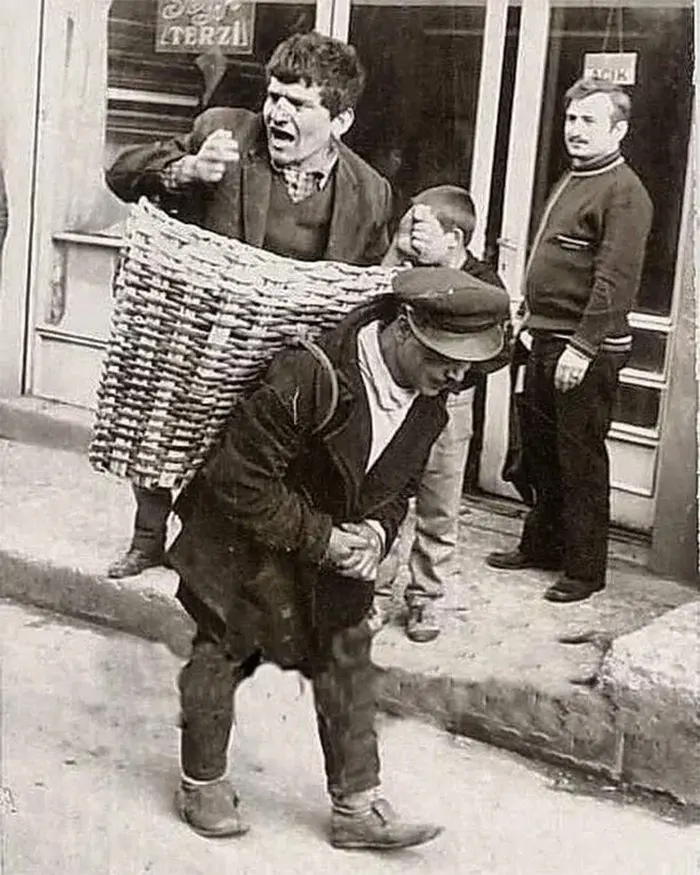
574, 244
571, 243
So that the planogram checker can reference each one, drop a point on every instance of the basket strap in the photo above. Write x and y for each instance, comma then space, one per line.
327, 364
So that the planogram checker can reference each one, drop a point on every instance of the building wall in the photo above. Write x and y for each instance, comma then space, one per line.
675, 533
19, 60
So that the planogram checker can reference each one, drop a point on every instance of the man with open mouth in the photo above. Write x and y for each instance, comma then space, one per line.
281, 179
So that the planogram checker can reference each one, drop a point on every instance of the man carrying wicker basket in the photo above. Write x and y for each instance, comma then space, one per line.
281, 180
285, 525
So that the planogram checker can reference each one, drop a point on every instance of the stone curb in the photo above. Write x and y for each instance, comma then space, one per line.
558, 729
653, 677
138, 607
577, 727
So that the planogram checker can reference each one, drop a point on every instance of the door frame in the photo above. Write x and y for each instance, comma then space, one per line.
21, 25
492, 52
634, 450
521, 164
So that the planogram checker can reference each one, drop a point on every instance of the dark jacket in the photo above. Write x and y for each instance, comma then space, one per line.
237, 205
258, 516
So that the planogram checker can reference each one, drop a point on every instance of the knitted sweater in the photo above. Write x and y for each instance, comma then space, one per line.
587, 257
298, 230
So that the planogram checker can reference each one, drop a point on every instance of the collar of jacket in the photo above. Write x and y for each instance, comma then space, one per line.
344, 436
340, 344
257, 173
482, 270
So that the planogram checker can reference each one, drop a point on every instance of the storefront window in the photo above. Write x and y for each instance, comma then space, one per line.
648, 351
637, 406
415, 122
154, 94
150, 94
657, 145
243, 83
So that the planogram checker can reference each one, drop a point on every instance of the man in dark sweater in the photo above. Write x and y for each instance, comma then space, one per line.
580, 285
281, 180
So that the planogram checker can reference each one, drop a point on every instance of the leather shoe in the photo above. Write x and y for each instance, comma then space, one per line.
516, 560
422, 624
567, 589
378, 829
210, 809
134, 561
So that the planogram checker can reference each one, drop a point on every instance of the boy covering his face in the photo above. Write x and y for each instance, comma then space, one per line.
436, 230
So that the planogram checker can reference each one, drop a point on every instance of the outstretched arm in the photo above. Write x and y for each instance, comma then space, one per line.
165, 169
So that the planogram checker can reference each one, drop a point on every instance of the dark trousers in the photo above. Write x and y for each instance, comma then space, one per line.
344, 697
153, 508
563, 436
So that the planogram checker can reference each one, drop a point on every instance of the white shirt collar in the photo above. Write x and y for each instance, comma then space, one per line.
387, 392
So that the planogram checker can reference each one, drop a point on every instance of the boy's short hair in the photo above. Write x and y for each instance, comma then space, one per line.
621, 105
453, 207
320, 60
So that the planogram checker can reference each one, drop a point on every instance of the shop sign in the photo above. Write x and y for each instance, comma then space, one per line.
617, 67
198, 26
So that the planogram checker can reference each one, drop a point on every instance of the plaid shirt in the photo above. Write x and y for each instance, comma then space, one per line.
300, 184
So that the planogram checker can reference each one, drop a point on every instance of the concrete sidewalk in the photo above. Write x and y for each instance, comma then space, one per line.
623, 701
90, 762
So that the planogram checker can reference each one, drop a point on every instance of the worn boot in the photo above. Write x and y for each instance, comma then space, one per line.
422, 622
516, 560
377, 827
136, 560
210, 808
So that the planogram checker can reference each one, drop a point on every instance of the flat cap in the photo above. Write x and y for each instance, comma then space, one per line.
453, 313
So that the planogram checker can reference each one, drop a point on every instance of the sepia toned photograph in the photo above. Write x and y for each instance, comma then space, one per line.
349, 410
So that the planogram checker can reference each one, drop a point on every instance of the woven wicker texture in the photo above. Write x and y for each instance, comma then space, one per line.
197, 318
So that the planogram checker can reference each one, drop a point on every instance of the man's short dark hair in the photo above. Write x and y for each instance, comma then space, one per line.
453, 208
320, 60
619, 99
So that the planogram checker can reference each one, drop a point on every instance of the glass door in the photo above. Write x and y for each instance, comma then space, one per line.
558, 41
428, 116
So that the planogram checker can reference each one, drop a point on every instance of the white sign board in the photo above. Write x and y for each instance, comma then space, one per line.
617, 67
195, 26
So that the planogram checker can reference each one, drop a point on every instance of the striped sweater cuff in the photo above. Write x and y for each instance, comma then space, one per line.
609, 344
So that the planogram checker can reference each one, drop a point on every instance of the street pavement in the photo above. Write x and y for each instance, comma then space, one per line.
88, 763
568, 682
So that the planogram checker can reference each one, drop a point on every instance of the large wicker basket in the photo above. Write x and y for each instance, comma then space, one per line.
197, 317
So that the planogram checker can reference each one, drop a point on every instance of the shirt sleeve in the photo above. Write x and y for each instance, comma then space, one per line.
147, 171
